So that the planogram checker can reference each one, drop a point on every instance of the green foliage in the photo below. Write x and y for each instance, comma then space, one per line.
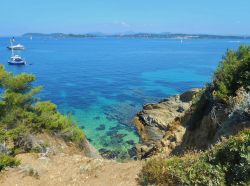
225, 164
233, 72
198, 108
20, 130
181, 171
234, 157
48, 118
21, 113
20, 83
8, 161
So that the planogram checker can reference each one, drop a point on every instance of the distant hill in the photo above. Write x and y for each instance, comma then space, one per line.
138, 35
60, 35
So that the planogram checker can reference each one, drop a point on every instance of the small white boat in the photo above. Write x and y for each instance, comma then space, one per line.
16, 60
16, 47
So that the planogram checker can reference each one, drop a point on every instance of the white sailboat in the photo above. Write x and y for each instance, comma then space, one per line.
16, 59
15, 47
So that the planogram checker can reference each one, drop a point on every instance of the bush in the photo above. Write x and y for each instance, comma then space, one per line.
234, 157
181, 171
233, 72
225, 164
22, 114
51, 120
8, 161
199, 107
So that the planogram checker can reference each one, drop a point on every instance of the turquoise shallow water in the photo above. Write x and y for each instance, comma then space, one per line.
103, 82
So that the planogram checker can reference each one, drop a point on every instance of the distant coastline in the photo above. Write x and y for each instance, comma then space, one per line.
137, 35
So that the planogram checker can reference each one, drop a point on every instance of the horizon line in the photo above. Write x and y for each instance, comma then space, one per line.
125, 33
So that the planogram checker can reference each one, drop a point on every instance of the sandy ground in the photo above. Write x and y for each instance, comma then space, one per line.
68, 166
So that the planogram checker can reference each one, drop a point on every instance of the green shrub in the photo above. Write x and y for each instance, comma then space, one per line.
232, 73
199, 106
51, 120
21, 113
225, 164
8, 161
73, 134
234, 157
181, 171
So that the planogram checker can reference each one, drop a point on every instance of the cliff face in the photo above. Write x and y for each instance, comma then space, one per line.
214, 120
173, 126
159, 125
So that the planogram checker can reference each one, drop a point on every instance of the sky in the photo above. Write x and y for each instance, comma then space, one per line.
224, 17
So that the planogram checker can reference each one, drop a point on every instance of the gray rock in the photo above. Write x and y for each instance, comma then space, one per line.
188, 95
89, 150
28, 143
4, 149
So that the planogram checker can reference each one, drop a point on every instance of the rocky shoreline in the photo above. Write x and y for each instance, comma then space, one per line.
159, 124
173, 126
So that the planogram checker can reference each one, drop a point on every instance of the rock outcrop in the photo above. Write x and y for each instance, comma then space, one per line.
159, 125
172, 126
214, 120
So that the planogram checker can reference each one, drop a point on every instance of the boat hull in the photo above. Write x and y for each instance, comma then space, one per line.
15, 48
17, 63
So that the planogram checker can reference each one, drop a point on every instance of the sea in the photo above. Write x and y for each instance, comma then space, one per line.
103, 82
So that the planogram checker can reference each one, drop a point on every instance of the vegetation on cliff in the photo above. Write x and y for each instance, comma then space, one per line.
22, 116
233, 73
224, 106
226, 163
8, 161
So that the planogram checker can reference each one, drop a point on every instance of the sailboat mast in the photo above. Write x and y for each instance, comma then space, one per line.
11, 45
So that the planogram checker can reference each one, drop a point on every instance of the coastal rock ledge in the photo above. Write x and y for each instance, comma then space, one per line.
159, 125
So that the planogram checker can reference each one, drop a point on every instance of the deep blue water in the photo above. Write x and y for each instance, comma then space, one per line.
103, 82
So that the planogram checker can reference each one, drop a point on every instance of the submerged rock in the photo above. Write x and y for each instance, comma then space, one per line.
132, 152
122, 127
101, 127
117, 139
130, 142
112, 154
97, 118
122, 112
112, 132
90, 140
119, 136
